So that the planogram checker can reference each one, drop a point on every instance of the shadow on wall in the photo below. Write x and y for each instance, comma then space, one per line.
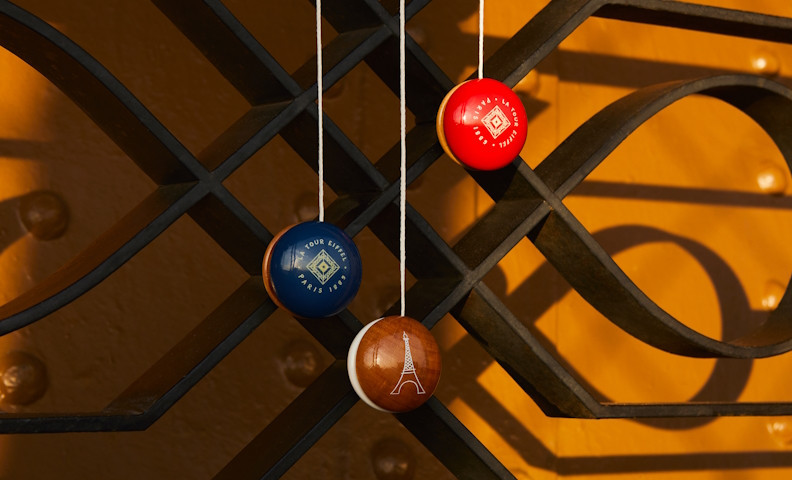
11, 229
726, 382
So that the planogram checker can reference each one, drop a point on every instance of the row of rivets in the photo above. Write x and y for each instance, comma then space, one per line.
23, 376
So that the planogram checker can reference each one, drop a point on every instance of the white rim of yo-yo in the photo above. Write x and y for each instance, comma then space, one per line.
352, 368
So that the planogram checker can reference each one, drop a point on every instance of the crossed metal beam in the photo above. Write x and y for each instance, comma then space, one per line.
529, 203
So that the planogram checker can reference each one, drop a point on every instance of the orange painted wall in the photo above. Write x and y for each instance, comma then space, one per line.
696, 153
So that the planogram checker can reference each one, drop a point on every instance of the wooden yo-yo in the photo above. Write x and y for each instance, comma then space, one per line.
482, 124
394, 364
312, 270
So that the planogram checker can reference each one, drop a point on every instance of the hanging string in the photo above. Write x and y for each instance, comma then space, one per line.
481, 41
319, 90
403, 169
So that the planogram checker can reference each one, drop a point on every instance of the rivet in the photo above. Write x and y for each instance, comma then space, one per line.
392, 459
781, 431
419, 35
387, 297
44, 214
772, 179
335, 91
306, 207
300, 362
416, 184
530, 83
23, 378
773, 291
765, 63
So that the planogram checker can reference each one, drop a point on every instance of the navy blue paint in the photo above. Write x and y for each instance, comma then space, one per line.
315, 269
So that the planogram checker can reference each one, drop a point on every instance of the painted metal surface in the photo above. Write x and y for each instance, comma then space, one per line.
665, 211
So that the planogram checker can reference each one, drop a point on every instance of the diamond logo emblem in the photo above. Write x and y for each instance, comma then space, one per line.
496, 122
323, 267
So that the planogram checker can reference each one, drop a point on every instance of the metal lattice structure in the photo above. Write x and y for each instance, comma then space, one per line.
528, 203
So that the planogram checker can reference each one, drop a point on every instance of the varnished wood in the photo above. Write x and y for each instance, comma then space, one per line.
265, 268
380, 364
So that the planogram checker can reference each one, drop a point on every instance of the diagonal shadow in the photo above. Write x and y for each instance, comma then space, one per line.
11, 228
726, 382
687, 195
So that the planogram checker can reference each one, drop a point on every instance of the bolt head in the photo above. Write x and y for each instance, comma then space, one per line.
23, 378
44, 214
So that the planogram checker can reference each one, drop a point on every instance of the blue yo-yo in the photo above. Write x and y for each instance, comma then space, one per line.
312, 270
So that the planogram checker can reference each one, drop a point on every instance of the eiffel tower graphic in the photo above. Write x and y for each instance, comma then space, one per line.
408, 374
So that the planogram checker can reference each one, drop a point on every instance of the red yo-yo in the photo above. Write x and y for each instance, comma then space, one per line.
482, 124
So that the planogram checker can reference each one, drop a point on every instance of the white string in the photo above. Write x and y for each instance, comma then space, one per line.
403, 174
481, 41
319, 90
